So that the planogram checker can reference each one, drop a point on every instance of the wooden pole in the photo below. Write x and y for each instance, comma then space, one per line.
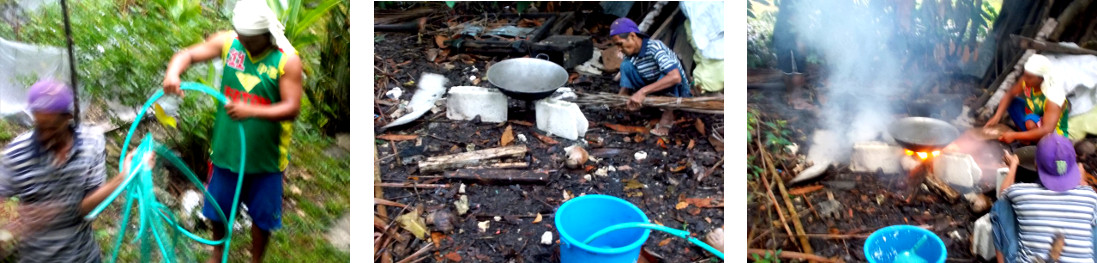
72, 64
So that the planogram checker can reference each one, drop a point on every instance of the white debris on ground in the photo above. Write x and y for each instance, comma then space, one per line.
395, 93
641, 155
483, 226
546, 238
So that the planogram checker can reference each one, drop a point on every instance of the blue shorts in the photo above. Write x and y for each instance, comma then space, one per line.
261, 193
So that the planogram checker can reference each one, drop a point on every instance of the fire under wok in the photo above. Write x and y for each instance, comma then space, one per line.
923, 134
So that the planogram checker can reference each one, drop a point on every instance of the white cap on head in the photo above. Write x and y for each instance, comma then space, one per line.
1038, 65
254, 17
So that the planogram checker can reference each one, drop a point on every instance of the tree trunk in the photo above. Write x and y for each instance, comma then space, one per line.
1066, 19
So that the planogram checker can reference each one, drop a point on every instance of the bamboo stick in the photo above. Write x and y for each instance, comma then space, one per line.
709, 105
790, 255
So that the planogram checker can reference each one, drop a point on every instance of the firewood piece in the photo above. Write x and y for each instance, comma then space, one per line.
411, 26
383, 18
403, 185
1040, 45
500, 176
790, 255
942, 188
506, 165
709, 105
467, 159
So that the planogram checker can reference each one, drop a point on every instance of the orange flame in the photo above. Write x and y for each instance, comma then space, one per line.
923, 155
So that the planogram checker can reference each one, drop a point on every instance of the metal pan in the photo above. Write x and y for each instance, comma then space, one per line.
527, 78
923, 134
1026, 157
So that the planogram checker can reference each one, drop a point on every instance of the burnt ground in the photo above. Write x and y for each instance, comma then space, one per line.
869, 201
662, 180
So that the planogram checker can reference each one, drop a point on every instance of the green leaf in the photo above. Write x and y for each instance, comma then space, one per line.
311, 16
292, 11
450, 4
522, 6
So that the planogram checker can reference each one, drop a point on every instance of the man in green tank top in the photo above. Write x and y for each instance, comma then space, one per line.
262, 79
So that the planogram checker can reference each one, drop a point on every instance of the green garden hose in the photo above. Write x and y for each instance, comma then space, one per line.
139, 188
672, 231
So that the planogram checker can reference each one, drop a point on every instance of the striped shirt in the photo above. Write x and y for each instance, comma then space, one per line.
28, 172
655, 59
1042, 213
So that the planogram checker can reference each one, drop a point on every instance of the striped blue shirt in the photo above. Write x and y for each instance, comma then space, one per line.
655, 59
1042, 213
28, 172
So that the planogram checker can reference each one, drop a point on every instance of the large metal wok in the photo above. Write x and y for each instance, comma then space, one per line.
527, 79
921, 134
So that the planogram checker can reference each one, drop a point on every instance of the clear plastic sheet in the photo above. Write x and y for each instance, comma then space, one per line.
25, 64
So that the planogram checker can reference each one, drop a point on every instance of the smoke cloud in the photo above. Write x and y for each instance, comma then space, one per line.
861, 53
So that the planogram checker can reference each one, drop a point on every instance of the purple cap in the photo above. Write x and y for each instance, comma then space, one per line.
1056, 163
622, 26
50, 96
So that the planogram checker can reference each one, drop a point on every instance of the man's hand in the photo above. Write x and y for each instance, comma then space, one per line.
1008, 137
147, 160
636, 101
171, 85
1011, 160
993, 121
239, 111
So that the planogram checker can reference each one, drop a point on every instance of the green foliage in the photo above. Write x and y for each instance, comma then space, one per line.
521, 6
121, 52
768, 258
330, 92
7, 132
298, 21
760, 53
750, 7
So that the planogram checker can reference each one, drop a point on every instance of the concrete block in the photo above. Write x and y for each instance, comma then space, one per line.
959, 170
467, 102
982, 240
871, 156
561, 118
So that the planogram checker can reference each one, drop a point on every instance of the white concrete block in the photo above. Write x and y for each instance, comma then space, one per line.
982, 240
466, 102
871, 156
957, 169
561, 118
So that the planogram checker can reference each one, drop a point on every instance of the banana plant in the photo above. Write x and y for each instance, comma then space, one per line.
298, 20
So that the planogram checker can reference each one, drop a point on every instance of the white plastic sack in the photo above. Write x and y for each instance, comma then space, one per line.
707, 26
1077, 75
24, 64
431, 88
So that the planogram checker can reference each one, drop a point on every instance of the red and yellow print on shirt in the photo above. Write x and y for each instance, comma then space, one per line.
251, 79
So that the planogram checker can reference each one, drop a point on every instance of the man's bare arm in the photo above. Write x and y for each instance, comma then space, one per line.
290, 87
198, 53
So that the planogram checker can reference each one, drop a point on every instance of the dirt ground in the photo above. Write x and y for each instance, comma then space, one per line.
869, 201
660, 178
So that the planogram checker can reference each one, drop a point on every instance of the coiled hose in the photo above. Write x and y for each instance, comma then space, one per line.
138, 184
676, 232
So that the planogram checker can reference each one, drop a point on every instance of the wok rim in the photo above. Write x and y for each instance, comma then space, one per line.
953, 134
505, 62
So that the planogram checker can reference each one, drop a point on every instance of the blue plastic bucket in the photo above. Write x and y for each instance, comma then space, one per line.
579, 218
884, 245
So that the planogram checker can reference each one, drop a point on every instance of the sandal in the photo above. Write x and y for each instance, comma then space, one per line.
657, 126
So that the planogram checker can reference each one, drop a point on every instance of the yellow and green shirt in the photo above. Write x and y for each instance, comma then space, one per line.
251, 80
1034, 104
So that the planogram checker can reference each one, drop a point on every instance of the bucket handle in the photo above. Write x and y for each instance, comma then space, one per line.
546, 56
